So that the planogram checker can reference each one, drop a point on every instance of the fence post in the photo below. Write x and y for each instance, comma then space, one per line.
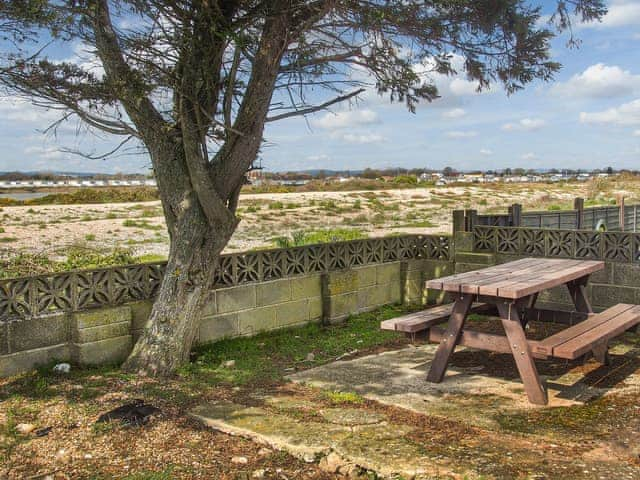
621, 212
472, 219
459, 221
578, 206
515, 215
635, 218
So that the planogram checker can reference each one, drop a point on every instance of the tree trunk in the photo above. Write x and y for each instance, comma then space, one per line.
168, 336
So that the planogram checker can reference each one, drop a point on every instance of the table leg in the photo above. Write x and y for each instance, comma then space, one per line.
578, 291
449, 341
522, 354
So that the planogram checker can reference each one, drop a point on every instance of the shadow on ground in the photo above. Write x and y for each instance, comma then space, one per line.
476, 423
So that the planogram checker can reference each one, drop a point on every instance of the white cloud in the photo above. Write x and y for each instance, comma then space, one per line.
461, 134
621, 13
524, 125
21, 111
600, 81
48, 153
318, 158
624, 115
636, 133
454, 113
346, 119
529, 156
486, 152
460, 86
362, 138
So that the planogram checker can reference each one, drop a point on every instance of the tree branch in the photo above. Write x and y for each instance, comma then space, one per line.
307, 111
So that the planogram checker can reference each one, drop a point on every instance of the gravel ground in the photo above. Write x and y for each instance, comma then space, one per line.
140, 226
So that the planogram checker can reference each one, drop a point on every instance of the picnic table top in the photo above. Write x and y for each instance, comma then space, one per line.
517, 279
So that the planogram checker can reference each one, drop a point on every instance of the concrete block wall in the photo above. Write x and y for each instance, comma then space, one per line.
253, 308
106, 335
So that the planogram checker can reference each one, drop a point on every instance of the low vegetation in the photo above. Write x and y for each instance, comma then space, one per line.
75, 257
301, 237
89, 195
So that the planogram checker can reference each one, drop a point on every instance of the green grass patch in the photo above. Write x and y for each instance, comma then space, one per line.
300, 237
341, 398
90, 195
266, 356
129, 222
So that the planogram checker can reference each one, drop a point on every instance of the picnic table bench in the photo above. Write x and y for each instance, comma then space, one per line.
511, 290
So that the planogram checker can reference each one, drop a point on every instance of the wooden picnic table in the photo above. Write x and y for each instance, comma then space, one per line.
513, 289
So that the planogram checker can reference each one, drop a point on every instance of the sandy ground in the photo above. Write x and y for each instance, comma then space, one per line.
140, 226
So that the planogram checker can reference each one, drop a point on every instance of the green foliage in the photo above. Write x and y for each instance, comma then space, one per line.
129, 222
300, 237
276, 206
406, 179
341, 398
90, 195
77, 257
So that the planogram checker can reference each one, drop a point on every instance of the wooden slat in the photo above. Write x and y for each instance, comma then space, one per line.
481, 341
548, 345
474, 287
533, 271
538, 273
517, 279
472, 275
424, 319
562, 277
604, 332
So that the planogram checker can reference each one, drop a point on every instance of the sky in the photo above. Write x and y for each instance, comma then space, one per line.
588, 117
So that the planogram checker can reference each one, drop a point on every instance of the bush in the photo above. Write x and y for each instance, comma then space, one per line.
300, 237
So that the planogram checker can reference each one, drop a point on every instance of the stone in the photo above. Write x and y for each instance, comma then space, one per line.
331, 463
62, 368
260, 473
305, 287
271, 293
263, 452
239, 460
236, 298
229, 364
63, 456
111, 350
34, 333
102, 316
25, 428
310, 357
351, 416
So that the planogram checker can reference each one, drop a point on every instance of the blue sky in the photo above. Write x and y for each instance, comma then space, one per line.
588, 118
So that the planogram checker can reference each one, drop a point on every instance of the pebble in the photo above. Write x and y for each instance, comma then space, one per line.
311, 357
63, 456
260, 473
25, 428
239, 460
331, 463
62, 368
263, 452
229, 364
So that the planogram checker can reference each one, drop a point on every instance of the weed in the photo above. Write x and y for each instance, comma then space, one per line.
141, 224
301, 237
90, 237
340, 398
